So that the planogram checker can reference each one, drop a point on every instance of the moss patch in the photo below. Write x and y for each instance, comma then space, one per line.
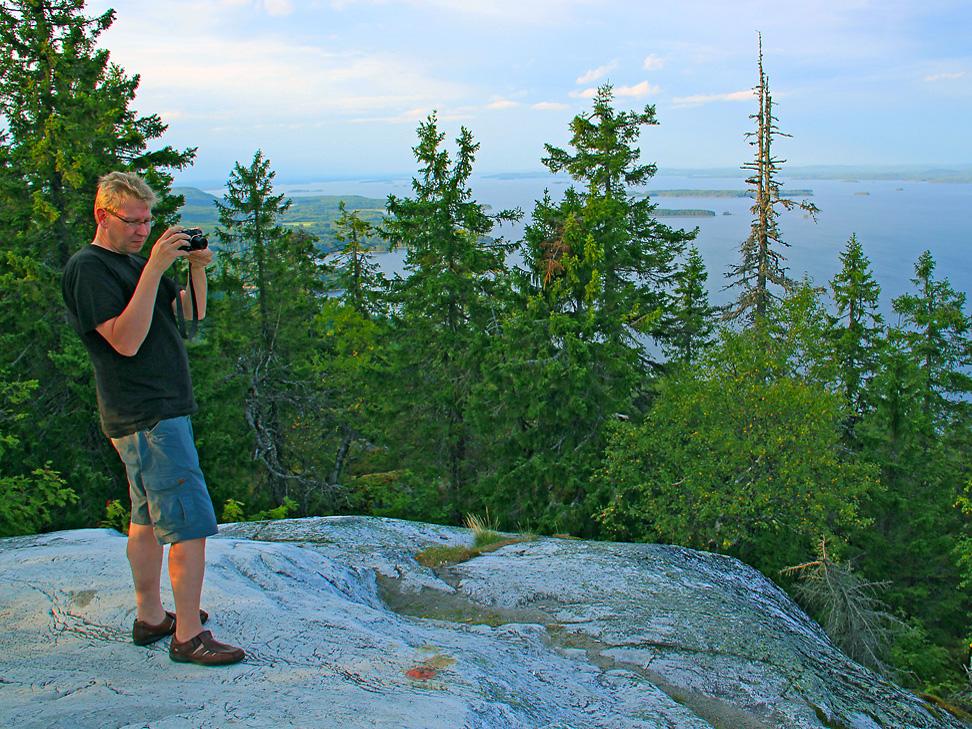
936, 703
439, 556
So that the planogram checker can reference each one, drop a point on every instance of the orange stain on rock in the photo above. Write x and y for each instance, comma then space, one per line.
430, 667
422, 673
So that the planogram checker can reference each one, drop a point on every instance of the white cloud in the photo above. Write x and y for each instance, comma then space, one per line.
588, 93
502, 104
947, 76
597, 73
271, 7
277, 7
699, 99
510, 12
270, 79
550, 106
642, 89
653, 62
418, 114
410, 116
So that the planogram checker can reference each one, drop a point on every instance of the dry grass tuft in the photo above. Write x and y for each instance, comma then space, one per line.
486, 538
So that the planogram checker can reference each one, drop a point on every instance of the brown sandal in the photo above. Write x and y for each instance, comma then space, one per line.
205, 650
143, 633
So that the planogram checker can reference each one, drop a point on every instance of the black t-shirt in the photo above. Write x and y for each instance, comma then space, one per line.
134, 392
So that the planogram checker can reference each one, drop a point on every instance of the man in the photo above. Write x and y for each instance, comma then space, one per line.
124, 309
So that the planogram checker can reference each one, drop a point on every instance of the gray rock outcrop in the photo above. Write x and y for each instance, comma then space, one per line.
344, 628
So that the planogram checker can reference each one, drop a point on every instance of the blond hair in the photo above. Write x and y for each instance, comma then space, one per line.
116, 187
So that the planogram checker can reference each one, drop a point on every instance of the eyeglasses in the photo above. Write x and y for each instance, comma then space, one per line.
129, 221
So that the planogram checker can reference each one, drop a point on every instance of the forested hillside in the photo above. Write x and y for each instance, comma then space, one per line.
313, 214
592, 390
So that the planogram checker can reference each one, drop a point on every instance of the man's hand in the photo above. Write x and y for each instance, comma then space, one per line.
166, 249
200, 258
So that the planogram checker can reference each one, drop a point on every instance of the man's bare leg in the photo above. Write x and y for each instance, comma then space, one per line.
145, 558
187, 567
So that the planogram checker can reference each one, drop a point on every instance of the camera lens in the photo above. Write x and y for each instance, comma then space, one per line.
197, 241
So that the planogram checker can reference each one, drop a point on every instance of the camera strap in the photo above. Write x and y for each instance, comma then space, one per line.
195, 312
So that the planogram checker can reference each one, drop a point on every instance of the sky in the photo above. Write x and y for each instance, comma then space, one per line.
336, 88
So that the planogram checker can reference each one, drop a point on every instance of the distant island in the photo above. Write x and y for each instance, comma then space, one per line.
683, 213
688, 192
315, 214
956, 173
952, 173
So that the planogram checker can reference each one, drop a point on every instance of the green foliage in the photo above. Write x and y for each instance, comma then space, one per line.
937, 334
689, 316
963, 550
27, 502
30, 498
117, 516
399, 494
268, 288
350, 364
444, 309
740, 453
284, 510
604, 247
856, 328
917, 432
568, 356
66, 119
355, 271
923, 664
233, 511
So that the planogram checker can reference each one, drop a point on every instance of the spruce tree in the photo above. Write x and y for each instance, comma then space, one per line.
68, 120
352, 326
444, 309
356, 273
918, 433
857, 328
571, 356
939, 334
66, 117
689, 315
636, 253
762, 265
270, 286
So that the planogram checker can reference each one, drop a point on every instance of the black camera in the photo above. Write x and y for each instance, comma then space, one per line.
197, 241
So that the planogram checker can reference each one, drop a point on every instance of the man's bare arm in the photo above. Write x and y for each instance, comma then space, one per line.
127, 331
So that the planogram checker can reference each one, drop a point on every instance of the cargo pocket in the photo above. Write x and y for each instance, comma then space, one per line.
173, 509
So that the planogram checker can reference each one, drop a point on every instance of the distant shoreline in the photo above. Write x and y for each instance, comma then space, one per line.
850, 173
957, 174
683, 213
689, 192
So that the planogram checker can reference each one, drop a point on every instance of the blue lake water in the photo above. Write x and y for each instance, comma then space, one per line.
894, 221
